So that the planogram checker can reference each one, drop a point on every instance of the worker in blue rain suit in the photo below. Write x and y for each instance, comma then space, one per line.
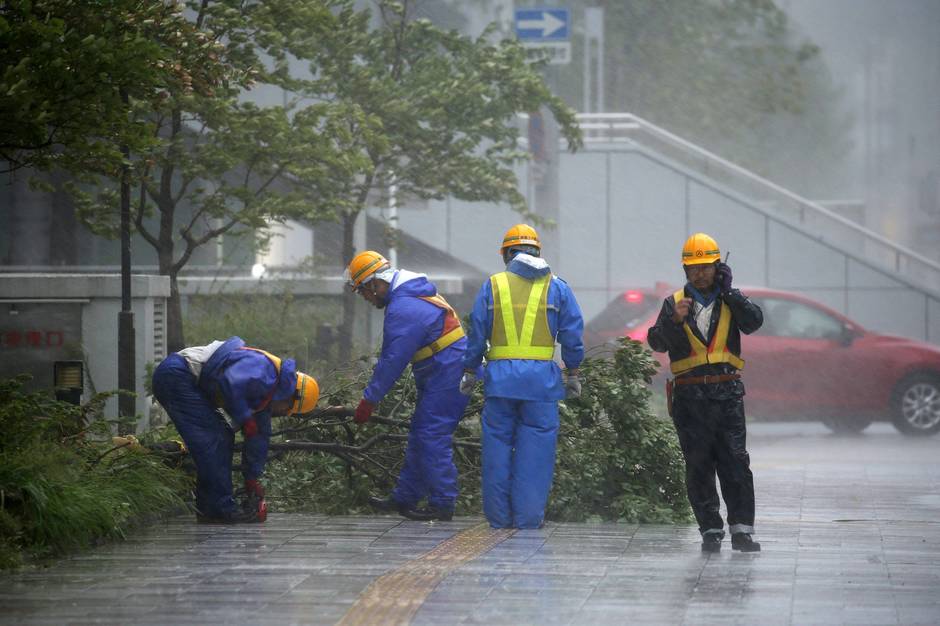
700, 327
211, 391
521, 313
422, 329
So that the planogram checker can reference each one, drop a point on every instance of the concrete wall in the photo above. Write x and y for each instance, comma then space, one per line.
87, 306
624, 213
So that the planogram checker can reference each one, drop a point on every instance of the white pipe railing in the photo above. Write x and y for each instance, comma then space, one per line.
608, 128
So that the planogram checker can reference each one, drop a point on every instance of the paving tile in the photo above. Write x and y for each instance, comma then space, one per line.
848, 537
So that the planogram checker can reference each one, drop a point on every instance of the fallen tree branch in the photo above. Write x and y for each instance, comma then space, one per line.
325, 446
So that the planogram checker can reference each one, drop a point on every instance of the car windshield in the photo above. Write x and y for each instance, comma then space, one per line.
624, 312
787, 318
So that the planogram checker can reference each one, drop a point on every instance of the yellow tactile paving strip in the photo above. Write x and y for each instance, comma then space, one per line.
395, 597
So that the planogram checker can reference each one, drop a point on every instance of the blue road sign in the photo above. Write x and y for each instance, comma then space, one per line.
537, 25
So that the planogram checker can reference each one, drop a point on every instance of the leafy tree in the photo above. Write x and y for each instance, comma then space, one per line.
219, 165
68, 70
402, 103
428, 111
730, 75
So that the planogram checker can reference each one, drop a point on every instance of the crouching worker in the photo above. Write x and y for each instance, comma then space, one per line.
420, 328
202, 386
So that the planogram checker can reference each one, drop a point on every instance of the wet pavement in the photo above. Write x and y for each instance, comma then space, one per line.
850, 528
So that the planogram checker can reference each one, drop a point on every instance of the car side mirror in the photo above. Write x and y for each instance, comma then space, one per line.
849, 335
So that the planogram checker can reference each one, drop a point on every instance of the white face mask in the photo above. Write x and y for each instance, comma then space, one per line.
387, 275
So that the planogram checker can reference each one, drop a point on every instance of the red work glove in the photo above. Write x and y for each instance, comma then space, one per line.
256, 501
250, 428
254, 488
363, 411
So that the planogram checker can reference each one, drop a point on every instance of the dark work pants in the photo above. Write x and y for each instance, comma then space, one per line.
713, 437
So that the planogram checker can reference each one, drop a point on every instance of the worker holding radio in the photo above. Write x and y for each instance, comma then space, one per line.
700, 327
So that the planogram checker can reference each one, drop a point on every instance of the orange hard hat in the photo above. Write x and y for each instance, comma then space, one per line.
363, 266
520, 235
306, 395
700, 249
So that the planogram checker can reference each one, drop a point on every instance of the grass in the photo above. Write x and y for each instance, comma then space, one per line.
60, 489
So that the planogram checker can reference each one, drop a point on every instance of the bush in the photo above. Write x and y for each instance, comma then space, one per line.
61, 489
616, 460
301, 328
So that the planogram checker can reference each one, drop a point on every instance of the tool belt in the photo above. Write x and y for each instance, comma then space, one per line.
695, 380
706, 380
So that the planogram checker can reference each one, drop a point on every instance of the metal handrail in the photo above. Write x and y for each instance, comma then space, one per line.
622, 127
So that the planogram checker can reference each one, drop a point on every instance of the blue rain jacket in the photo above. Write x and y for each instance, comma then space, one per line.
239, 380
410, 324
527, 379
245, 380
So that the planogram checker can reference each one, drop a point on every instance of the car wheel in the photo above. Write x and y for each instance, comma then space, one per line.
846, 425
917, 405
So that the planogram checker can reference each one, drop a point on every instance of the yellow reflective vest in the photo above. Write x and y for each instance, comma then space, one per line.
715, 352
520, 318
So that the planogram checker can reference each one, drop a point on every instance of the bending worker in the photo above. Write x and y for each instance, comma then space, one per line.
202, 386
420, 328
700, 327
520, 313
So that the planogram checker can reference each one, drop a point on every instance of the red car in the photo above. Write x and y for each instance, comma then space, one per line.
809, 361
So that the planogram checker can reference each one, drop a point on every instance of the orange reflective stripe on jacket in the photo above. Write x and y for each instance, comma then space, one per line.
716, 352
451, 332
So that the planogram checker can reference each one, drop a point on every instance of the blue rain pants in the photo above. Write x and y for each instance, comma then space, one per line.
519, 438
208, 437
428, 469
411, 323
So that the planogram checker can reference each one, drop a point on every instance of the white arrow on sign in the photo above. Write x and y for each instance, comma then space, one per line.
548, 24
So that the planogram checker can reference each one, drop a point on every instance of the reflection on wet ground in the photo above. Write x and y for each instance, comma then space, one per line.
850, 528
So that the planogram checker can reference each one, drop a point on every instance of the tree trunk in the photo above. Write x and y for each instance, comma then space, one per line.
175, 341
165, 246
174, 311
349, 298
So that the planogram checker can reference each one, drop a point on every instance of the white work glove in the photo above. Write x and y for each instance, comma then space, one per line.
573, 385
467, 382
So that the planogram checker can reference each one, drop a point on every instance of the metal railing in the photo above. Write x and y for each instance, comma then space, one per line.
625, 129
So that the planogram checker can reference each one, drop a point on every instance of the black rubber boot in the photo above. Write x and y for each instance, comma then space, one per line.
444, 515
387, 504
744, 543
711, 542
238, 517
427, 514
423, 514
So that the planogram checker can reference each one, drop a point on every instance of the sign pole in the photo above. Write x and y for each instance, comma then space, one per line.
127, 376
593, 41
